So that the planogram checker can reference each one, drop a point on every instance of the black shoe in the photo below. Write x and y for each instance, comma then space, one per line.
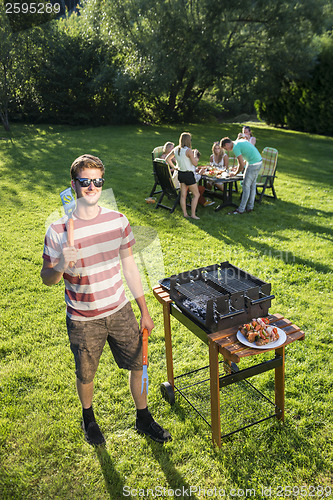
153, 430
93, 434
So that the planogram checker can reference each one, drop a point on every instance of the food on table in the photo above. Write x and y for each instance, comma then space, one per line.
259, 332
214, 172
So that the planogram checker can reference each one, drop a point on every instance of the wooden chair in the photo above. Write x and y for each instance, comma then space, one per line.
156, 153
164, 179
266, 175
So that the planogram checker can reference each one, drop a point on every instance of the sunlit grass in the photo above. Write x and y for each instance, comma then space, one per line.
287, 242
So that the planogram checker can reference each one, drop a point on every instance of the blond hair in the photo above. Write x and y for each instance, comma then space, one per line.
184, 140
220, 156
167, 145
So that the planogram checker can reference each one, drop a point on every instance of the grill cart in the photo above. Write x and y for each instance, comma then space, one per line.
212, 302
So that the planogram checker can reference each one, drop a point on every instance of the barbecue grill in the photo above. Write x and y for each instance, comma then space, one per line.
212, 302
219, 296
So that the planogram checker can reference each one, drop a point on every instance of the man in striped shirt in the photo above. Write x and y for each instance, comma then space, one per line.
97, 308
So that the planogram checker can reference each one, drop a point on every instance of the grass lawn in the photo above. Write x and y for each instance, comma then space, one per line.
287, 242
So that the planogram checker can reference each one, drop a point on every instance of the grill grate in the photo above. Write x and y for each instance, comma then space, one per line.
219, 296
197, 294
198, 290
229, 282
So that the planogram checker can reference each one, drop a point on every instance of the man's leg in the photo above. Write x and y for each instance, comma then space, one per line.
87, 339
135, 381
125, 341
246, 190
254, 175
145, 424
85, 393
90, 427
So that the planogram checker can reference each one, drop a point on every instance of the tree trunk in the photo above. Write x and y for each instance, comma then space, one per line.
174, 89
4, 104
187, 94
4, 119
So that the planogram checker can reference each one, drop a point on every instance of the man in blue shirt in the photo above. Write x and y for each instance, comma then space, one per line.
249, 161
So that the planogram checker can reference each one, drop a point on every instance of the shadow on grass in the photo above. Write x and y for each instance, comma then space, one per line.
286, 216
175, 480
289, 449
115, 484
113, 480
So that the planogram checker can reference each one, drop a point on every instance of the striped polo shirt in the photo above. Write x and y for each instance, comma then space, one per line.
94, 288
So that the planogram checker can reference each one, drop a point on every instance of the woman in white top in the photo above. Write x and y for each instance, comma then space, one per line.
218, 159
187, 160
247, 135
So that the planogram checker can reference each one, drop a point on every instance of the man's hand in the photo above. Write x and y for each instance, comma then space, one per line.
146, 322
69, 254
51, 272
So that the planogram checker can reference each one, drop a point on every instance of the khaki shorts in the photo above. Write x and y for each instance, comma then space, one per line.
87, 340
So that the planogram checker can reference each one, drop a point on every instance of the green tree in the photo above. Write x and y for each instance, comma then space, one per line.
72, 80
68, 76
178, 50
18, 49
6, 63
305, 103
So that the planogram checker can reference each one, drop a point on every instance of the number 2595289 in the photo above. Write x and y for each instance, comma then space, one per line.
32, 8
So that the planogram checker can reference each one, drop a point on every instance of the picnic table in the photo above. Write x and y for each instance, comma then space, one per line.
226, 343
227, 179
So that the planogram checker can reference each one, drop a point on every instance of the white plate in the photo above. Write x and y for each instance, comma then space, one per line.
271, 345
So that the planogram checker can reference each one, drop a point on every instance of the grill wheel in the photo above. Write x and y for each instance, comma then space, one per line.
168, 392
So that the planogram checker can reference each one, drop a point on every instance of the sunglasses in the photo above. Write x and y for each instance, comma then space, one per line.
86, 182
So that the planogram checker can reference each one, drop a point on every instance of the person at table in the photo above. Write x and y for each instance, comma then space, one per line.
199, 171
245, 152
247, 135
218, 160
187, 160
167, 148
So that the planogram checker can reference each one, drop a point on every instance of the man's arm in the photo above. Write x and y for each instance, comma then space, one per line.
132, 276
241, 165
52, 273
